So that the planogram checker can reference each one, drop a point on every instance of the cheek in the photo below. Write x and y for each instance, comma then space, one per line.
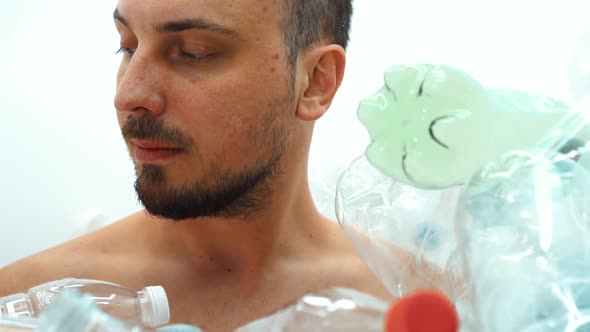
240, 131
121, 118
228, 114
217, 120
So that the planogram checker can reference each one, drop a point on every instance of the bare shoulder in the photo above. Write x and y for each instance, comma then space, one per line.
78, 258
354, 273
422, 275
349, 270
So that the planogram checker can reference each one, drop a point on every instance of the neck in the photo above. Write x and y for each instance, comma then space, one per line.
245, 249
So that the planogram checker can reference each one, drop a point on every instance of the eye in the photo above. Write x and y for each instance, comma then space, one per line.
193, 56
126, 50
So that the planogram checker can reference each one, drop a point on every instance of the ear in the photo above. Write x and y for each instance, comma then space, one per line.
324, 70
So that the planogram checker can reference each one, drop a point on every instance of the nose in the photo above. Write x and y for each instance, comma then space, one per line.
139, 89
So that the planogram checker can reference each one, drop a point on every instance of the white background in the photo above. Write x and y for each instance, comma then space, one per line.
63, 163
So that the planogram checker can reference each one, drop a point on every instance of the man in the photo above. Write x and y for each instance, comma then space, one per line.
217, 101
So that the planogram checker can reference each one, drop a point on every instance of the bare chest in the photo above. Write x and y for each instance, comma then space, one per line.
224, 307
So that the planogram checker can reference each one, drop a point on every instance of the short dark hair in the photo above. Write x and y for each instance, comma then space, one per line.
305, 22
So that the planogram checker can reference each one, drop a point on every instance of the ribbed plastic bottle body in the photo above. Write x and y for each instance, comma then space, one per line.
148, 308
73, 311
96, 322
110, 298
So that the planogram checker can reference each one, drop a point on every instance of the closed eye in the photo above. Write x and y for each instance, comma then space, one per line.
125, 50
193, 56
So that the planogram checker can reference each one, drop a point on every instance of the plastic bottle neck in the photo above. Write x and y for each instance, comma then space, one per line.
16, 305
145, 306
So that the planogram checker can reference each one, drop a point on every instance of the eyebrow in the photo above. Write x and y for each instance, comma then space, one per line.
185, 25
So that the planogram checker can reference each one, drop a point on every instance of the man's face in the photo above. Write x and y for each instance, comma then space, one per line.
204, 103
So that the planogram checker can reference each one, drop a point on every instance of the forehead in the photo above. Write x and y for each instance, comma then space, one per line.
244, 16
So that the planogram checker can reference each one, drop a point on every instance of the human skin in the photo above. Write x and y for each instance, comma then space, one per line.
223, 270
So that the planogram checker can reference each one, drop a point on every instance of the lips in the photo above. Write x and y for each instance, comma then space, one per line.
146, 144
146, 151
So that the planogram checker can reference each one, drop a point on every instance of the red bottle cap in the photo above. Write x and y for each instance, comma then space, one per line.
422, 311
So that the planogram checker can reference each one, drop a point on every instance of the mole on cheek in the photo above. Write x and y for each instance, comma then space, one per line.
276, 56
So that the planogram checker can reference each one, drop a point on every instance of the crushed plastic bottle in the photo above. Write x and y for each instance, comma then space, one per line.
340, 309
148, 307
335, 309
524, 230
73, 312
404, 234
433, 126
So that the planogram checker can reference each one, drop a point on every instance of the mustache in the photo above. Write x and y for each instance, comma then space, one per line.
146, 127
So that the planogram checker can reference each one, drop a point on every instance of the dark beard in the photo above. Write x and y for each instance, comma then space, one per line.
221, 193
232, 195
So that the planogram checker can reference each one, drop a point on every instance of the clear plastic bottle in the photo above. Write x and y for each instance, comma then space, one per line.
148, 307
340, 309
524, 229
72, 312
404, 234
334, 309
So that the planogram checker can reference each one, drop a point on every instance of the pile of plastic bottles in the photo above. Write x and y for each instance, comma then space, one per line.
481, 194
59, 306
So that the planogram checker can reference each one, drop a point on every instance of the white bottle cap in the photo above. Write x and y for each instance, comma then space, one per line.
156, 311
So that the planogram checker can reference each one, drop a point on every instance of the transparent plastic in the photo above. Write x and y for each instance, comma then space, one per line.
340, 309
404, 234
433, 126
73, 312
148, 307
481, 194
524, 230
336, 309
